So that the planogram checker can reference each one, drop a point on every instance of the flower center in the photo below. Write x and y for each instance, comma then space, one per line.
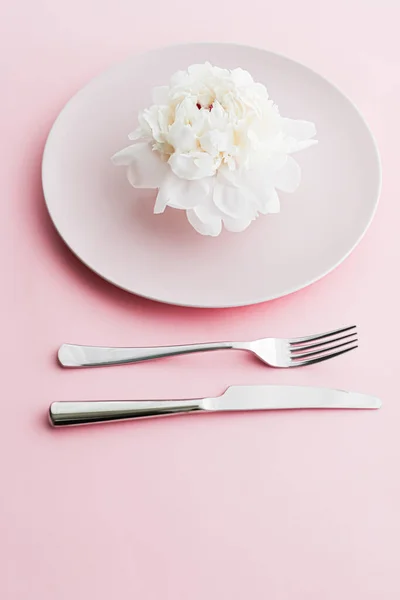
199, 106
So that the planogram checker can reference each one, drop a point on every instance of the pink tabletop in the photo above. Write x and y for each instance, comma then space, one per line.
302, 505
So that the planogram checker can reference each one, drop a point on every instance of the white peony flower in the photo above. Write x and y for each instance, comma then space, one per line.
215, 145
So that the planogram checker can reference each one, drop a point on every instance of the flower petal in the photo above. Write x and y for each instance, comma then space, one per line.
206, 226
146, 168
228, 176
276, 162
194, 193
187, 110
288, 178
195, 165
143, 131
162, 199
303, 145
181, 193
241, 77
216, 141
301, 130
234, 202
200, 71
155, 119
270, 203
124, 157
182, 137
178, 78
136, 135
238, 224
300, 134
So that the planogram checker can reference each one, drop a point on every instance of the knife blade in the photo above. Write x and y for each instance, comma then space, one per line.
236, 398
280, 397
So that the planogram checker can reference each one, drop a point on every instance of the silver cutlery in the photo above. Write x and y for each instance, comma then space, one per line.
275, 352
236, 398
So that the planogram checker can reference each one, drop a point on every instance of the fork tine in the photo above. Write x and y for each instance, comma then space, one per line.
320, 336
312, 361
296, 349
306, 355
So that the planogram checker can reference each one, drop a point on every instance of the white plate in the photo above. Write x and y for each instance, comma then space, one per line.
111, 228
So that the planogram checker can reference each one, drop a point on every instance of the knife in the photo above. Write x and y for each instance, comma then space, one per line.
236, 398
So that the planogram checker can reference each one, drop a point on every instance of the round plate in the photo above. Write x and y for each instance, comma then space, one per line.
111, 227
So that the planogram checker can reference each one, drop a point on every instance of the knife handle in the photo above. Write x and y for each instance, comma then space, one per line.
83, 413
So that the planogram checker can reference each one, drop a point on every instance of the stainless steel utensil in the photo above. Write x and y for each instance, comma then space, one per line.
236, 398
275, 352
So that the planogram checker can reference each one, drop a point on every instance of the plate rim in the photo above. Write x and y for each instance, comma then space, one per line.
264, 298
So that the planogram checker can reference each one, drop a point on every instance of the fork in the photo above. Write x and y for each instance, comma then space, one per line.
275, 352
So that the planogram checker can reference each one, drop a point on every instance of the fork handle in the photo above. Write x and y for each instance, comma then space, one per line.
71, 355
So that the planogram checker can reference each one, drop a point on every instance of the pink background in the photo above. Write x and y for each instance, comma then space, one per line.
301, 506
